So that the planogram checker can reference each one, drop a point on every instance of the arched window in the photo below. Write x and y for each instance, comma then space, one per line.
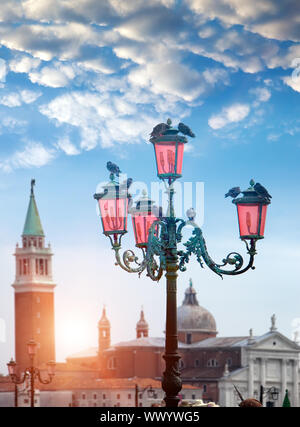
212, 363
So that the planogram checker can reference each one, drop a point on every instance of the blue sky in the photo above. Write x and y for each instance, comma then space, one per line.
85, 81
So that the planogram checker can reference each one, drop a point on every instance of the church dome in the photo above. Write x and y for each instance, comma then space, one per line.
191, 317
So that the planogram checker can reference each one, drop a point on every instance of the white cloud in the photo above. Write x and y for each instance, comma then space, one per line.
67, 146
169, 78
55, 76
232, 114
3, 71
103, 119
270, 18
33, 155
16, 99
294, 83
23, 64
262, 94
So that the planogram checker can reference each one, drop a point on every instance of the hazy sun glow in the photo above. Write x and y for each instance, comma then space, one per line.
74, 335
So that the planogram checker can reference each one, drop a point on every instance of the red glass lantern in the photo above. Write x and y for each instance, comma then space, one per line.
11, 367
143, 216
113, 204
252, 211
169, 149
31, 348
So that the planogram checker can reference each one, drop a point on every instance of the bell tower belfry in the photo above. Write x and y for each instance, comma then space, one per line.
103, 332
34, 291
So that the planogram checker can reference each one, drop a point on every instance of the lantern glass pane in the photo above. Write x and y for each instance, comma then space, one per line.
180, 149
11, 368
141, 224
263, 220
248, 219
114, 214
165, 157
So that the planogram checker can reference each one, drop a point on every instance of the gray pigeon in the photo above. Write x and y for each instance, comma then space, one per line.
113, 168
233, 192
262, 191
159, 130
185, 130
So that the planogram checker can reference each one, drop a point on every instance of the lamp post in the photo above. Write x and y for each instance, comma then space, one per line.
272, 393
150, 392
31, 372
158, 236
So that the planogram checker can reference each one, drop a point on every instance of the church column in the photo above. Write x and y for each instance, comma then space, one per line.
250, 375
296, 383
263, 371
283, 377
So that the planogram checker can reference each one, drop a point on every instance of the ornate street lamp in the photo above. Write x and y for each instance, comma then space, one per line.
150, 392
272, 393
158, 236
31, 373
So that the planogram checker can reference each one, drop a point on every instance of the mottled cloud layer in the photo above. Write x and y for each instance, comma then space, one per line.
100, 63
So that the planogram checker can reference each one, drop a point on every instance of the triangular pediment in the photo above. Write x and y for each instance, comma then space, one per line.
274, 341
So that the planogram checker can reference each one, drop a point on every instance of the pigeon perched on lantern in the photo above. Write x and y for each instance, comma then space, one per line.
252, 211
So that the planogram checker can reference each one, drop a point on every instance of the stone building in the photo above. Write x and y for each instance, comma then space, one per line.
212, 364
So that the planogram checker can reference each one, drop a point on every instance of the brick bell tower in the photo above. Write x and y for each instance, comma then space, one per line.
34, 291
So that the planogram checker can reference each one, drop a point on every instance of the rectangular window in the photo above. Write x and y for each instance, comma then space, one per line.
95, 396
46, 267
129, 396
118, 396
104, 396
37, 266
83, 396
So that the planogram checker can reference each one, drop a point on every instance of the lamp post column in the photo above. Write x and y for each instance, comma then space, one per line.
171, 383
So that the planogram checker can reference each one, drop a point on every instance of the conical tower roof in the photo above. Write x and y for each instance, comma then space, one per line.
104, 322
33, 225
141, 324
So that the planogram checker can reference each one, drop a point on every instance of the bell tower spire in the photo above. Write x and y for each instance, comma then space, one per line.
34, 290
103, 332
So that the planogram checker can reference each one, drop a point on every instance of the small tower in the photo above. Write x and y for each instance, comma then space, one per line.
142, 327
34, 291
103, 332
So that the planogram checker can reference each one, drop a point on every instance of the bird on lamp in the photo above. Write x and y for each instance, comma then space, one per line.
233, 192
113, 168
185, 130
159, 129
262, 191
